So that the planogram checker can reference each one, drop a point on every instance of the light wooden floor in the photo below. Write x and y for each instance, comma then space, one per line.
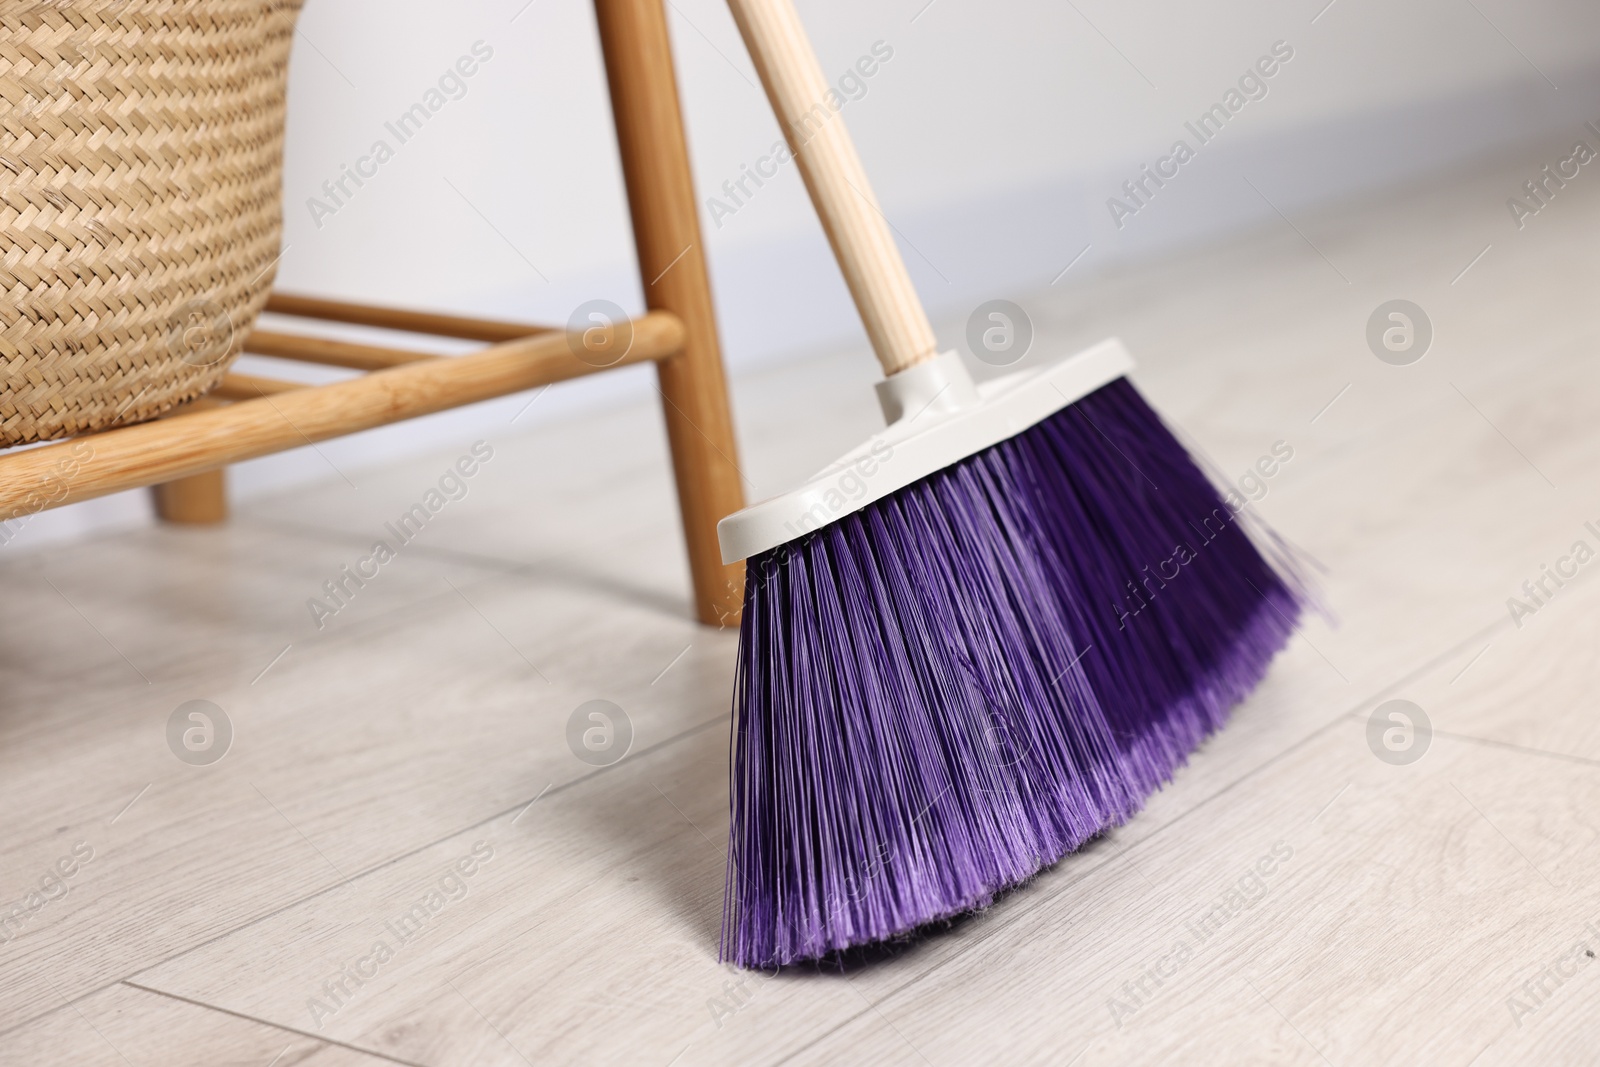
429, 718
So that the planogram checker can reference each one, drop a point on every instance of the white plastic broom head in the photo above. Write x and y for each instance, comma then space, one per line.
936, 417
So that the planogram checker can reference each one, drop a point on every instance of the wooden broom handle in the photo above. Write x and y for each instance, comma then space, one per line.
896, 323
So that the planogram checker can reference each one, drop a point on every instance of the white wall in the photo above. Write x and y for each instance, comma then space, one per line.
1016, 112
994, 135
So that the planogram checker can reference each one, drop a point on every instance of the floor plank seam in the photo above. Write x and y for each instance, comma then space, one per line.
394, 619
315, 894
1525, 750
518, 806
334, 535
267, 1022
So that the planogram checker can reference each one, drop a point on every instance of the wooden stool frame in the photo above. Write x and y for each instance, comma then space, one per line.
183, 455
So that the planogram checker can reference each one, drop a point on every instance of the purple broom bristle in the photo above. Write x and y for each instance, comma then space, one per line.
954, 687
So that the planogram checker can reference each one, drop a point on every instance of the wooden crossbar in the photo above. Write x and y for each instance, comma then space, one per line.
285, 415
471, 329
250, 386
329, 352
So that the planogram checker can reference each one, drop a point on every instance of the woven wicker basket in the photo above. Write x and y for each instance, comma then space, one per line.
140, 201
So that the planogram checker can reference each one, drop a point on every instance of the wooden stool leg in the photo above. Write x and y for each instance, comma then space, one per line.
666, 232
199, 498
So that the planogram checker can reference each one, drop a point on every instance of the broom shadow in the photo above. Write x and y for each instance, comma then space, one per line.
665, 785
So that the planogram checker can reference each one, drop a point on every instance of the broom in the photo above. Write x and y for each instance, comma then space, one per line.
983, 637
